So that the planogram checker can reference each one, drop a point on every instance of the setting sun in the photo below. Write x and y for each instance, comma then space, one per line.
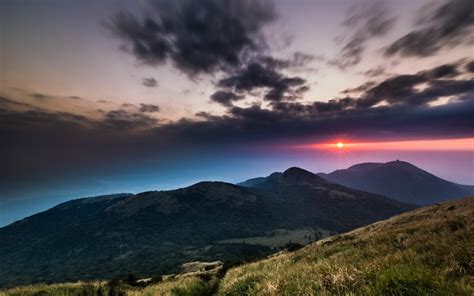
340, 145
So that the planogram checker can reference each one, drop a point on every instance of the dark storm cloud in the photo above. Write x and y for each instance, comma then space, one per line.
150, 82
448, 25
364, 22
225, 97
149, 108
264, 74
212, 36
196, 36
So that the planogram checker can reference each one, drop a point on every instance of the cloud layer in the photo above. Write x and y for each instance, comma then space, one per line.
197, 37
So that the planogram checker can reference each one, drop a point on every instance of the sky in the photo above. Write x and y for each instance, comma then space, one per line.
101, 97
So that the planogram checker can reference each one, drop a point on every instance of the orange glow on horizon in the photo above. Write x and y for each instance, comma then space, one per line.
414, 145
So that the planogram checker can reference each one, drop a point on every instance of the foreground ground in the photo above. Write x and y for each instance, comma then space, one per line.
429, 251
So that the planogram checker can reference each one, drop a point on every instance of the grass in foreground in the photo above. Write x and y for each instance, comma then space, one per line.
66, 289
182, 286
429, 251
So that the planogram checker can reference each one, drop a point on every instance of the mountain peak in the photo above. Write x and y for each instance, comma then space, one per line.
361, 167
292, 175
399, 180
297, 171
295, 174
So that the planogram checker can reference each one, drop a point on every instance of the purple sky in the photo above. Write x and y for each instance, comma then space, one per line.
123, 96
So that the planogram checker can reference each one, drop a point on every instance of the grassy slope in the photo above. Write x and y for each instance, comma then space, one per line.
427, 251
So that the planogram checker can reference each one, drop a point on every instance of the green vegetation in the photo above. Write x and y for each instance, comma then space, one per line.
429, 251
67, 289
198, 278
185, 286
426, 252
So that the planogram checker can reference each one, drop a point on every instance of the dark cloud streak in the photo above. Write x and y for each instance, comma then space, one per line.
448, 25
364, 23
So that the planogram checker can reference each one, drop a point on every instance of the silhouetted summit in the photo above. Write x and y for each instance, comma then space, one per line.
399, 180
297, 175
293, 175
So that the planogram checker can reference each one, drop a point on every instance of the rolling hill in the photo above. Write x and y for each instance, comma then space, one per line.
399, 180
427, 251
152, 233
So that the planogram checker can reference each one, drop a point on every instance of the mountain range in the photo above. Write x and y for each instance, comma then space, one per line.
399, 180
154, 232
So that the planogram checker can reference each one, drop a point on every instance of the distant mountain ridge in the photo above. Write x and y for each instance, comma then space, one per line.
399, 180
155, 232
312, 198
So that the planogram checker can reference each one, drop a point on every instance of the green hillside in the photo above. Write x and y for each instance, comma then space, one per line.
153, 233
429, 251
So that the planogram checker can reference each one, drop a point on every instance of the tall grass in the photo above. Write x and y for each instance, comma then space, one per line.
426, 252
66, 289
